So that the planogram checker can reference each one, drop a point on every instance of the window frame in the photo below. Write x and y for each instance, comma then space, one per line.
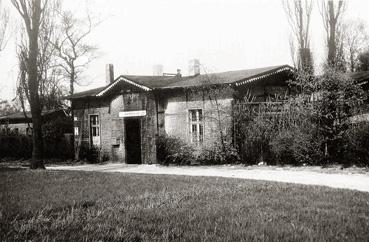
198, 137
97, 126
76, 131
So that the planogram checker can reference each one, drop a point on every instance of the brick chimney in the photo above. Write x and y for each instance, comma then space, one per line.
179, 72
194, 67
109, 73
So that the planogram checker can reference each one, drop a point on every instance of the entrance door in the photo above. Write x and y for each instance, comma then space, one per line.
133, 141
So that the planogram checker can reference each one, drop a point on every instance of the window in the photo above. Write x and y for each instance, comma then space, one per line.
76, 131
196, 126
94, 125
95, 130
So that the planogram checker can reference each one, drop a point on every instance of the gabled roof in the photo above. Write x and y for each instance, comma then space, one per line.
230, 77
148, 83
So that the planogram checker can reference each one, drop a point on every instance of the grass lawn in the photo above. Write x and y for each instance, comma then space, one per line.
61, 205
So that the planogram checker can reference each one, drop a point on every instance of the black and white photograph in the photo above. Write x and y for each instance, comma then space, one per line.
184, 120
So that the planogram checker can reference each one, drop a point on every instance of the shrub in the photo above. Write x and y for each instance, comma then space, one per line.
55, 143
89, 154
14, 145
285, 133
173, 150
337, 98
216, 154
255, 142
297, 146
282, 146
355, 145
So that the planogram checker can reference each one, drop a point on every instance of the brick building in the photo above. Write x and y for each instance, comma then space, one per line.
124, 117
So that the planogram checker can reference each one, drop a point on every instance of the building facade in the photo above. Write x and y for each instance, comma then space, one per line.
124, 118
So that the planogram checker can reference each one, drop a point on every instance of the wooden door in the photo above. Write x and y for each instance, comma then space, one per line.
133, 141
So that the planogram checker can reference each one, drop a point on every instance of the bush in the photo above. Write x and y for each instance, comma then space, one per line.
216, 154
173, 150
284, 134
282, 147
256, 135
90, 154
355, 145
297, 146
17, 146
55, 143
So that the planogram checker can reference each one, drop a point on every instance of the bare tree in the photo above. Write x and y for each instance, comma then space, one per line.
4, 25
218, 113
355, 39
72, 47
32, 55
32, 14
298, 14
331, 14
51, 88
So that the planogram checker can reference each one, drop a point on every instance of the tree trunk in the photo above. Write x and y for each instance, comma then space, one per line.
33, 85
37, 151
332, 48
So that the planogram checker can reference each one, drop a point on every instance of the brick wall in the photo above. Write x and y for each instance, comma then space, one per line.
112, 129
177, 115
82, 111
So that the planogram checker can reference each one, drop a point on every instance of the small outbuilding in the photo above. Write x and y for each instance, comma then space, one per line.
21, 122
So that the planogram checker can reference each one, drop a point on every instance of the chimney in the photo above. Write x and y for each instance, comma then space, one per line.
157, 70
179, 72
109, 73
194, 67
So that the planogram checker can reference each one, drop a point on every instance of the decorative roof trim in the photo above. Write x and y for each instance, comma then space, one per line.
252, 79
119, 80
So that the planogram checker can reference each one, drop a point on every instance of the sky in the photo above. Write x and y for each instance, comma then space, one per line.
223, 34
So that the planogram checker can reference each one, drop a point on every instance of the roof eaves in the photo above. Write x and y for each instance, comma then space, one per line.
81, 95
258, 77
119, 79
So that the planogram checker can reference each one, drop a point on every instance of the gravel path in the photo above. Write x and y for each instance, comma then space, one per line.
348, 181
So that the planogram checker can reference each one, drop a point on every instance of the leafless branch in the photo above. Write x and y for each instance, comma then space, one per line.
74, 53
4, 26
298, 14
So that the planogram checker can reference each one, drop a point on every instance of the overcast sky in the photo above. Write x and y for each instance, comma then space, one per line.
223, 34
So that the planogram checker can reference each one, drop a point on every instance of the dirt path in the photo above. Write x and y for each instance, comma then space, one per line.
348, 181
